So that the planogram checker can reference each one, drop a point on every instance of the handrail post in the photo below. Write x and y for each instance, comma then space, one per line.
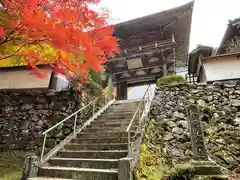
148, 95
139, 116
43, 146
129, 145
75, 125
145, 101
94, 107
150, 91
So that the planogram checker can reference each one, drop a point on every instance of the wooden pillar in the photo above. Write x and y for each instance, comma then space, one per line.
165, 70
110, 87
122, 90
125, 90
174, 54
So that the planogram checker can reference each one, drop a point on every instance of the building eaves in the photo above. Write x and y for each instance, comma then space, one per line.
221, 55
159, 19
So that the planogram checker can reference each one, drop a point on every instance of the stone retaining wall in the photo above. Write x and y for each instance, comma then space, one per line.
24, 115
219, 104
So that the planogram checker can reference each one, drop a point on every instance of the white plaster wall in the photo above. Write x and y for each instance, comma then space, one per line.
23, 79
222, 68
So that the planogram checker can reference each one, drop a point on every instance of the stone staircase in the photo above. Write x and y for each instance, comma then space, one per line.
95, 152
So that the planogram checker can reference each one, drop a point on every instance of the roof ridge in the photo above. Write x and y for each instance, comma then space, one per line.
164, 12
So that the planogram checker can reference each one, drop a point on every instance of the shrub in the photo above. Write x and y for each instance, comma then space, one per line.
170, 80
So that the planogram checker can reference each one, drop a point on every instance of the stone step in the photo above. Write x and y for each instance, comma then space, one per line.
115, 111
117, 104
108, 124
114, 121
119, 113
114, 146
116, 116
126, 110
111, 154
104, 134
84, 163
99, 140
207, 170
124, 105
79, 173
108, 129
46, 178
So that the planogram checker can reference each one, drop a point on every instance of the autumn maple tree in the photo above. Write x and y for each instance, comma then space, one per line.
68, 35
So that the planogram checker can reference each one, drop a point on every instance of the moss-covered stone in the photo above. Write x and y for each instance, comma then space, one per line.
218, 120
170, 80
184, 171
211, 178
150, 166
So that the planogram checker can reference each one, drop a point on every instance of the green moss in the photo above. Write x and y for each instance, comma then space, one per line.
150, 165
185, 171
170, 80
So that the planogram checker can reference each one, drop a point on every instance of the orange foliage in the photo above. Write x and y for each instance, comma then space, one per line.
69, 26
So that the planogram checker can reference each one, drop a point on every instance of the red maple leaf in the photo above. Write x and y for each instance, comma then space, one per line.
70, 27
2, 32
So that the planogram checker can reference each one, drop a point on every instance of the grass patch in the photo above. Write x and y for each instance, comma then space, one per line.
11, 164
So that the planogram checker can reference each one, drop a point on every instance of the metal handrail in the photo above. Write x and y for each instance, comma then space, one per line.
64, 120
138, 111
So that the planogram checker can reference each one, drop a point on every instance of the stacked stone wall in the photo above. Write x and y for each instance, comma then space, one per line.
25, 115
219, 105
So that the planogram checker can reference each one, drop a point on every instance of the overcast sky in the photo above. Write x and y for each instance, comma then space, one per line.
210, 17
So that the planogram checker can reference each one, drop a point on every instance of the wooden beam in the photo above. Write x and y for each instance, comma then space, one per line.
145, 49
137, 54
140, 79
135, 78
137, 69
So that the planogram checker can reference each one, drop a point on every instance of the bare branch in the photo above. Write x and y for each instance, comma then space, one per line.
7, 38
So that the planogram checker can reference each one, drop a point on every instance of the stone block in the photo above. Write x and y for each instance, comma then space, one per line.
207, 170
124, 169
31, 167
